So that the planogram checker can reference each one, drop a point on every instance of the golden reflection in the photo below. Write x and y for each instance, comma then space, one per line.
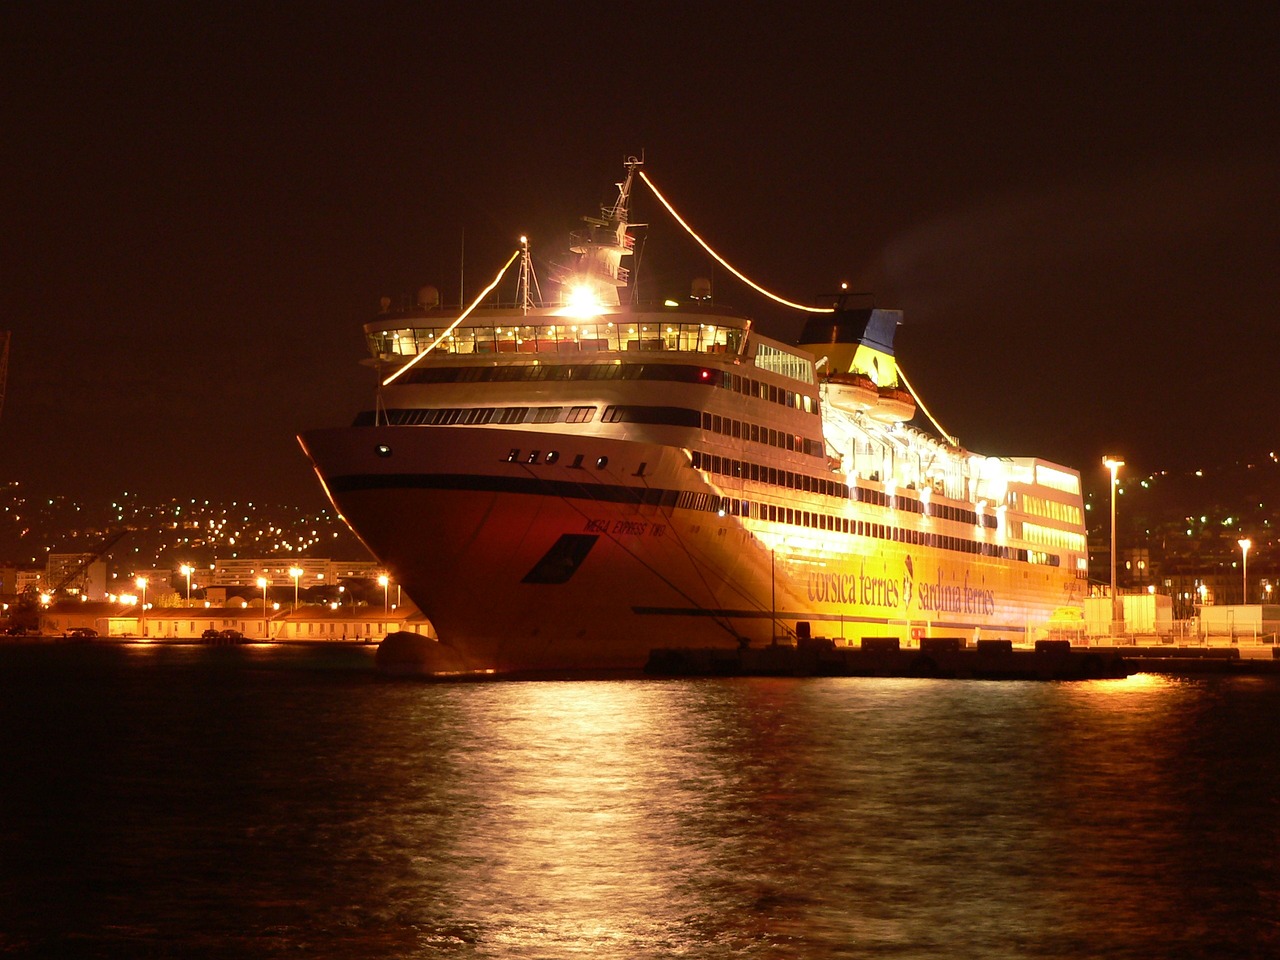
579, 793
1134, 683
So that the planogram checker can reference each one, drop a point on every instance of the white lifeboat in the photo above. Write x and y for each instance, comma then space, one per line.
852, 392
894, 404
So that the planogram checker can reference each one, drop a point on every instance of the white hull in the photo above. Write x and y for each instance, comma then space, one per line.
462, 529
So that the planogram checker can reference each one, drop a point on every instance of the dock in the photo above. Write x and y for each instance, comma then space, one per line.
938, 657
952, 658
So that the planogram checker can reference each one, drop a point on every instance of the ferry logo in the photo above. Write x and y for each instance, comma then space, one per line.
860, 588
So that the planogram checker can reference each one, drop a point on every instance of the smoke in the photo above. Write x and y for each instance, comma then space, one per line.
1150, 243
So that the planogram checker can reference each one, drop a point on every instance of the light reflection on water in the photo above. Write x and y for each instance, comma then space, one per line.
251, 802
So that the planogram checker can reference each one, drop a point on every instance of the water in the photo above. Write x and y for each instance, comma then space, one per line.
260, 802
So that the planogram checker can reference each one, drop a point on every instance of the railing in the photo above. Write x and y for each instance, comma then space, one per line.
1192, 632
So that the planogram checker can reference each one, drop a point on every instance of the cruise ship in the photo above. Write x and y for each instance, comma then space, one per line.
567, 484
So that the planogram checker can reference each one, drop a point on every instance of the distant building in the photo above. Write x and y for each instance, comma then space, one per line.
315, 572
312, 622
8, 580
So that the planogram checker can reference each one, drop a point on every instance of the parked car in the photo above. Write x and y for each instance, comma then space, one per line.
222, 636
84, 633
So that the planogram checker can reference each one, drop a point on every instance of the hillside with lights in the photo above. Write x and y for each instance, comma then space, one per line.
135, 534
1176, 529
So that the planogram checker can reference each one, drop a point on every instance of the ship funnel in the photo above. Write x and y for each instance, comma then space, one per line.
855, 341
861, 372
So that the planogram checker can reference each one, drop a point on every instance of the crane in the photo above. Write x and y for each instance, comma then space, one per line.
109, 540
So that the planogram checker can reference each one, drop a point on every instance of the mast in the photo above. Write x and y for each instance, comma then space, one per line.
528, 280
601, 247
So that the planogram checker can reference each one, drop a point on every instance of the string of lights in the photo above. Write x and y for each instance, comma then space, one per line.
453, 326
782, 300
951, 438
725, 263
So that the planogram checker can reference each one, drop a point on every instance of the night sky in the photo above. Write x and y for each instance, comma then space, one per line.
1077, 206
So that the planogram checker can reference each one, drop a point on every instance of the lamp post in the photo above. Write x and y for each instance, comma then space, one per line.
1245, 544
185, 570
1114, 464
266, 629
383, 582
295, 572
142, 614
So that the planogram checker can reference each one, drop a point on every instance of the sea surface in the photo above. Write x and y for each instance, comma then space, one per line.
184, 801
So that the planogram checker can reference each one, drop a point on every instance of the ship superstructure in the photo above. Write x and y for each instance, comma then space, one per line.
568, 485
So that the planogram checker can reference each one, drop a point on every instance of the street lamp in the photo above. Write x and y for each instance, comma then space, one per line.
383, 582
185, 570
266, 629
295, 572
1113, 464
142, 585
1245, 544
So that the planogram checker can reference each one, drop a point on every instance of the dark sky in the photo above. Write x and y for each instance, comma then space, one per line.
1077, 206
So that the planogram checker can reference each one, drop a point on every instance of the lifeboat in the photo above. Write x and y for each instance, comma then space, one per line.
894, 404
852, 392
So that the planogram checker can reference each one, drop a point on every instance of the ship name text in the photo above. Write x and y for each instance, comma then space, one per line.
625, 528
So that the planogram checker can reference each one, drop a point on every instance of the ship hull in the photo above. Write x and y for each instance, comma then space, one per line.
590, 562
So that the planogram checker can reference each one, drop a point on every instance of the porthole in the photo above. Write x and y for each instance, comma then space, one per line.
601, 462
382, 450
534, 455
552, 456
513, 455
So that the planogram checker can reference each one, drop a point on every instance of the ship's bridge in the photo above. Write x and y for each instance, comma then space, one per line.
669, 327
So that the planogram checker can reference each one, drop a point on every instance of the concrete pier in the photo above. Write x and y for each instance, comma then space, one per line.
954, 658
941, 657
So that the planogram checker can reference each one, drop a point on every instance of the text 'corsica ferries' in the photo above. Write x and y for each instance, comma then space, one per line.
568, 484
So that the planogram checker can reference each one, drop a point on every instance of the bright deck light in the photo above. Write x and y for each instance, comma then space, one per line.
582, 302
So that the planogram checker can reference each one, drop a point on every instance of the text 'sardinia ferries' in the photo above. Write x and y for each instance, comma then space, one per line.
569, 485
